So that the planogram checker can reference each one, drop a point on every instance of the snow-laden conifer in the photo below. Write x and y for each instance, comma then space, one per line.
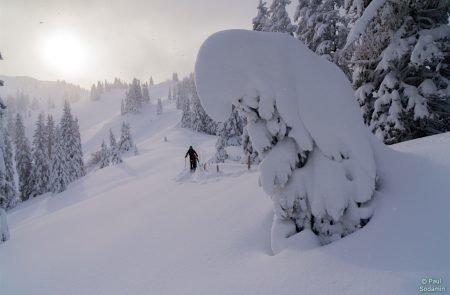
260, 21
23, 160
104, 156
59, 173
126, 139
114, 151
41, 160
317, 164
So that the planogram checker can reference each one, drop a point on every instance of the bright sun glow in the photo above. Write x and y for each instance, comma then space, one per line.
64, 52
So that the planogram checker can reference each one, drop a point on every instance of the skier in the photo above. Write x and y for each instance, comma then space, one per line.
193, 158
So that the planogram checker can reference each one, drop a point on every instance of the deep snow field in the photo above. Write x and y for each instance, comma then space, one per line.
147, 226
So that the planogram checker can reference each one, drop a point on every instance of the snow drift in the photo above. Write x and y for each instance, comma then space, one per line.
318, 164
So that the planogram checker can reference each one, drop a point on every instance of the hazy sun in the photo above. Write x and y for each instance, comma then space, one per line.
64, 52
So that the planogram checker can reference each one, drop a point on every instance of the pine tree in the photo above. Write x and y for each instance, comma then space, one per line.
77, 159
159, 107
322, 27
134, 98
260, 22
145, 93
175, 77
279, 20
114, 149
59, 176
231, 130
9, 189
104, 156
23, 160
41, 169
221, 154
50, 134
151, 81
126, 140
249, 152
400, 67
186, 116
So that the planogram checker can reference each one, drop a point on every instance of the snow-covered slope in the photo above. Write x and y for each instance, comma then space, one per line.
41, 90
147, 227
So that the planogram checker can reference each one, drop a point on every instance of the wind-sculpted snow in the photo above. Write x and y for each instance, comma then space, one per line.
317, 162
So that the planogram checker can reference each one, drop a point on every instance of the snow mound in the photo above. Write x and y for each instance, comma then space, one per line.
318, 165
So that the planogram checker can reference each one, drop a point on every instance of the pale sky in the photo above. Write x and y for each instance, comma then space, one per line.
82, 41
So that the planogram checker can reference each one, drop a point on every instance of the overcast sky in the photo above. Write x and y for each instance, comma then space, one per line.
119, 38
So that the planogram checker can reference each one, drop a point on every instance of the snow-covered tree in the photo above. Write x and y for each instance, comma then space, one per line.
279, 20
104, 156
145, 93
134, 98
41, 161
186, 116
231, 130
151, 81
400, 57
250, 154
175, 77
159, 107
114, 151
59, 172
221, 154
4, 230
321, 25
50, 134
77, 156
126, 140
260, 21
317, 163
23, 160
9, 189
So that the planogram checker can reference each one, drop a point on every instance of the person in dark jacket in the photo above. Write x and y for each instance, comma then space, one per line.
193, 158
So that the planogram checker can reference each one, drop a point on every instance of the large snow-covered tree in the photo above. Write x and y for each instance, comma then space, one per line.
279, 20
59, 172
317, 163
261, 20
23, 160
400, 58
41, 161
9, 189
77, 156
322, 26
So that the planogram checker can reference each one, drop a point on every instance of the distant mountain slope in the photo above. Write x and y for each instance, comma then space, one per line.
41, 89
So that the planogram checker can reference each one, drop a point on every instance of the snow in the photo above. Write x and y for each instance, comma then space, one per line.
361, 24
134, 229
225, 73
327, 161
148, 226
